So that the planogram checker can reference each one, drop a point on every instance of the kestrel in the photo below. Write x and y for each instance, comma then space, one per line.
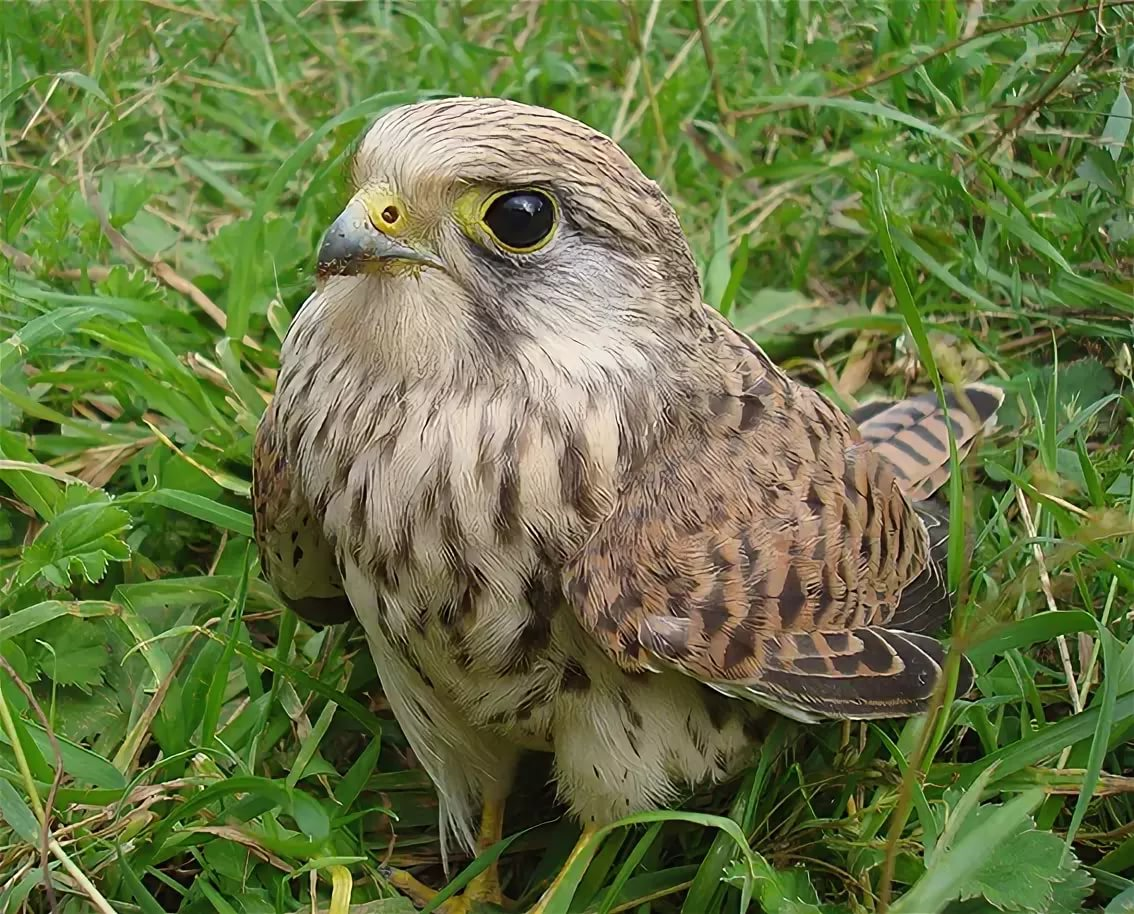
573, 508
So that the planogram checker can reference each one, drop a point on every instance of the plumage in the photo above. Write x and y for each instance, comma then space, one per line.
573, 508
293, 550
913, 437
777, 553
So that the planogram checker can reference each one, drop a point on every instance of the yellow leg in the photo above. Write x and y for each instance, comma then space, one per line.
484, 887
410, 886
584, 847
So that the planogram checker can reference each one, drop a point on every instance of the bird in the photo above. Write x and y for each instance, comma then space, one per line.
573, 508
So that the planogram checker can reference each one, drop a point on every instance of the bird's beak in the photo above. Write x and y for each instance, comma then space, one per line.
354, 244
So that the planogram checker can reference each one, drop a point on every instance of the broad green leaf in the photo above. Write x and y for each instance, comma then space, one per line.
353, 782
1122, 904
15, 811
782, 891
39, 491
718, 271
1100, 169
1023, 633
1021, 872
1070, 892
82, 538
1117, 126
80, 763
90, 717
33, 617
958, 865
73, 652
84, 82
1077, 384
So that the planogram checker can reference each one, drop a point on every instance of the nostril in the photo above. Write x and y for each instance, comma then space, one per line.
390, 215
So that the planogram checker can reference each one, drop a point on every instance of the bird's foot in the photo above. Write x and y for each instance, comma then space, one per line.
483, 895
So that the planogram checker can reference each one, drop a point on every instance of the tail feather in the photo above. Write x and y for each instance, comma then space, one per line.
912, 434
860, 674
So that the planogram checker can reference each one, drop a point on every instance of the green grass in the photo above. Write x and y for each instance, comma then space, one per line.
877, 191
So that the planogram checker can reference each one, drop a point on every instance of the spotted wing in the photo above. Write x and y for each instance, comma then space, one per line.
294, 555
769, 552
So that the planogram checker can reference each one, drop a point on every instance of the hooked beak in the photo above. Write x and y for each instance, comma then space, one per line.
354, 245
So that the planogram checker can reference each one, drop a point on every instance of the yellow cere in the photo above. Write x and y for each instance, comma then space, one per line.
386, 211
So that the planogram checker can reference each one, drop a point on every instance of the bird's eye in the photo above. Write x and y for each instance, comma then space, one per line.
521, 221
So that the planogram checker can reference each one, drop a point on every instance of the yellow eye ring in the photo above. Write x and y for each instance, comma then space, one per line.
520, 221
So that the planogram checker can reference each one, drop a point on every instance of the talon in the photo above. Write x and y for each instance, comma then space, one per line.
480, 896
483, 892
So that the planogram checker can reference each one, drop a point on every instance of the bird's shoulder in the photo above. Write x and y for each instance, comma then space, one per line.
746, 396
762, 510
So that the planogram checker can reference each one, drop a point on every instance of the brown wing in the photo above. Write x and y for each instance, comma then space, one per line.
294, 555
913, 436
766, 550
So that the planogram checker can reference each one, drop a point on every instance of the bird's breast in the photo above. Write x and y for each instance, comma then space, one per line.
459, 506
457, 486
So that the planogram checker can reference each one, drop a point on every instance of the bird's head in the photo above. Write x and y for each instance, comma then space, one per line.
492, 219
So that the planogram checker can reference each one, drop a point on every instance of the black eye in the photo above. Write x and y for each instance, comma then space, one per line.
521, 220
